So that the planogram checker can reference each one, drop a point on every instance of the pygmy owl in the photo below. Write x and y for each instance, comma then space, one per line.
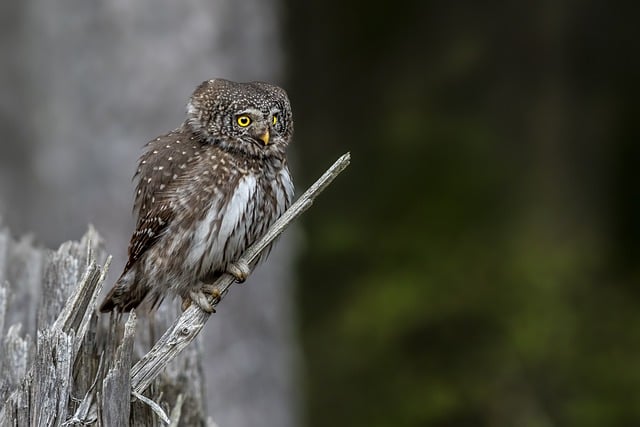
205, 192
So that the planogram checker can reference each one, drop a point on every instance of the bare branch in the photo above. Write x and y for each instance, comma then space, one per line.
188, 325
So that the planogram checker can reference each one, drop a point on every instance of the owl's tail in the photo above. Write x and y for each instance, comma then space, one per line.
126, 294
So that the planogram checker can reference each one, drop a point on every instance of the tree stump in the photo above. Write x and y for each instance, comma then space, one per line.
63, 364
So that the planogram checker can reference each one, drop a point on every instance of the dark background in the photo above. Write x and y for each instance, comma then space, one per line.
477, 265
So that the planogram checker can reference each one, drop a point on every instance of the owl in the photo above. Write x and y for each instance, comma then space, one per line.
205, 192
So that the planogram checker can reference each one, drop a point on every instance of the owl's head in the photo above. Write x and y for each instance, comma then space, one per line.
252, 118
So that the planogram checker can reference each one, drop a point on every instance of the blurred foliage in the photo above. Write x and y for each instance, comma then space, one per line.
478, 263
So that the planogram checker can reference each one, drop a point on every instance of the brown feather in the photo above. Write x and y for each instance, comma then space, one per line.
205, 192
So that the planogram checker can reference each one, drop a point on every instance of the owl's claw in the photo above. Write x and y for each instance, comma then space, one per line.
199, 297
240, 270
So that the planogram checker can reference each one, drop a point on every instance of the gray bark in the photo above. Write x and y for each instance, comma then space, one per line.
85, 85
77, 371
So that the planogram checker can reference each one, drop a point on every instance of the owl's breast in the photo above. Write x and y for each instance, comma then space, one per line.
237, 218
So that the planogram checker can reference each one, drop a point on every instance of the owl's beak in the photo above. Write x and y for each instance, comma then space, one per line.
265, 137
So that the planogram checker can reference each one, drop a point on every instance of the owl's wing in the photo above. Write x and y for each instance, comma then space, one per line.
150, 228
162, 166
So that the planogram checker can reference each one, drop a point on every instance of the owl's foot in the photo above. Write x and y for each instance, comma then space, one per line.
240, 270
199, 297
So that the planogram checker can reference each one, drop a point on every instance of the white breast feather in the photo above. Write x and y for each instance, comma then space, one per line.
208, 244
237, 207
288, 190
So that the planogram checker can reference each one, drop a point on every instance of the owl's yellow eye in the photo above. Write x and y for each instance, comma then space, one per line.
274, 120
243, 120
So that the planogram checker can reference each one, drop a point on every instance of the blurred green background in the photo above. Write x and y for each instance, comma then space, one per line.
477, 265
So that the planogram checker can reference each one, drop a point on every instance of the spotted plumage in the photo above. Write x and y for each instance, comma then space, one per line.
205, 192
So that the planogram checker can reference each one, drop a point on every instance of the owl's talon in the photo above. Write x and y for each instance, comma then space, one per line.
200, 299
212, 290
240, 270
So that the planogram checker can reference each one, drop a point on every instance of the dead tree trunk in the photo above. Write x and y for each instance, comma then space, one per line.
71, 367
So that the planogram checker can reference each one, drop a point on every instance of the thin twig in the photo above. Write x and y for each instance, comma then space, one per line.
188, 325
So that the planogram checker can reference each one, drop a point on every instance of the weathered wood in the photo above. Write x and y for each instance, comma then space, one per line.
77, 372
116, 405
43, 395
